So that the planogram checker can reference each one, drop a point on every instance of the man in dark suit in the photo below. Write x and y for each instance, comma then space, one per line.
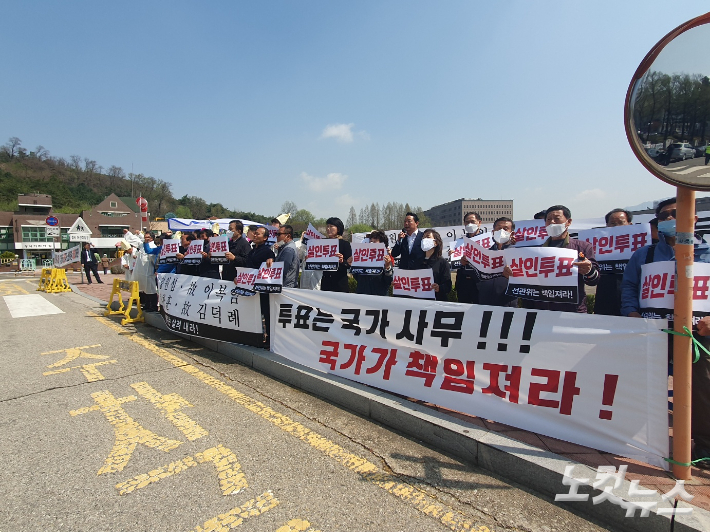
90, 263
409, 244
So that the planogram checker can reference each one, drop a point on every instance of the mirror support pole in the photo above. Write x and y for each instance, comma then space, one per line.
682, 359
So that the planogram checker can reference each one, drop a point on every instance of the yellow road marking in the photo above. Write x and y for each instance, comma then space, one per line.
420, 500
235, 517
170, 406
297, 525
10, 289
127, 431
73, 353
88, 370
229, 471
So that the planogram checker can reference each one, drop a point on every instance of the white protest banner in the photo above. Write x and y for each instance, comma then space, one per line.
490, 263
413, 283
171, 247
270, 280
598, 381
322, 255
193, 253
209, 308
657, 290
485, 240
245, 279
66, 257
613, 246
219, 245
450, 233
368, 259
311, 233
530, 233
272, 234
542, 274
392, 236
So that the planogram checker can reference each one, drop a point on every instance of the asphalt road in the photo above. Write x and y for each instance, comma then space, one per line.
104, 427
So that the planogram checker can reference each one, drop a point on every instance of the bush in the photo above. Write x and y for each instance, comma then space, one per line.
352, 284
7, 255
117, 269
590, 303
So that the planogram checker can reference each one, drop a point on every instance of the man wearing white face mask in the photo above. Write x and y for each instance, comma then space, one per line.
558, 219
239, 248
492, 291
662, 251
467, 276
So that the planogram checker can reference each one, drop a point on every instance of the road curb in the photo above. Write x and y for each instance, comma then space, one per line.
539, 470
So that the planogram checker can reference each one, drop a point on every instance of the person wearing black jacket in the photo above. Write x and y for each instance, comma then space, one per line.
88, 259
432, 246
239, 248
185, 269
467, 276
607, 300
492, 291
375, 285
337, 281
409, 244
206, 268
261, 253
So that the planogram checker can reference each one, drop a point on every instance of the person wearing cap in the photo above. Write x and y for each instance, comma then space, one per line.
337, 281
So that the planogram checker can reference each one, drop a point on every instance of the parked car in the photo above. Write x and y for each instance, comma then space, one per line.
681, 151
655, 153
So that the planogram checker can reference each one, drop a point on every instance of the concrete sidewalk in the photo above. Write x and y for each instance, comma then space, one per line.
533, 460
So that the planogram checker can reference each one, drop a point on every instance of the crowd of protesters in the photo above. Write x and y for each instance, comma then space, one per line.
617, 294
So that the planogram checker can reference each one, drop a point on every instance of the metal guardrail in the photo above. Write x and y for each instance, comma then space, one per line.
28, 265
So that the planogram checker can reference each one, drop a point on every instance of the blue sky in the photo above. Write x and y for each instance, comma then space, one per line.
333, 104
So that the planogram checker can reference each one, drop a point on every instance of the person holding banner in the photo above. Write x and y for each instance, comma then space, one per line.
239, 248
492, 291
557, 221
259, 254
631, 287
337, 280
607, 301
286, 252
144, 273
185, 269
206, 268
375, 285
409, 244
432, 247
466, 276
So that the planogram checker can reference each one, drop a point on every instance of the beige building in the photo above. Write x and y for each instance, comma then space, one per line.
452, 213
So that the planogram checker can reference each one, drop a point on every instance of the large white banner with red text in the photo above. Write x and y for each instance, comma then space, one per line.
598, 381
657, 290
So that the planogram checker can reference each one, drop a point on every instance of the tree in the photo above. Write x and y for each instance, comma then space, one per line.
12, 146
183, 212
360, 228
302, 215
288, 207
352, 218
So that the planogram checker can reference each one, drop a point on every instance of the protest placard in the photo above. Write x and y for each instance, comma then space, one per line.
171, 247
219, 246
413, 283
193, 253
613, 246
321, 254
543, 274
269, 280
245, 279
368, 259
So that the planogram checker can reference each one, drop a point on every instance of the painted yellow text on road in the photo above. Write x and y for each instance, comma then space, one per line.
70, 355
128, 432
368, 471
297, 525
229, 471
236, 516
170, 406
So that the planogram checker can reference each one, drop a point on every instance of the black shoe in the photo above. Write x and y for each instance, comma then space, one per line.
100, 282
88, 282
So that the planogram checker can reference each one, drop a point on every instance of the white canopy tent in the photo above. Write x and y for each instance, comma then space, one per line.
186, 224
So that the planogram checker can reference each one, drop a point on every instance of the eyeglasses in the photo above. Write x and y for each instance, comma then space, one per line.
664, 215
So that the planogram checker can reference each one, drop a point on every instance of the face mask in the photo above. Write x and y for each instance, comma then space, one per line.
501, 236
471, 228
667, 227
555, 230
427, 244
229, 234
